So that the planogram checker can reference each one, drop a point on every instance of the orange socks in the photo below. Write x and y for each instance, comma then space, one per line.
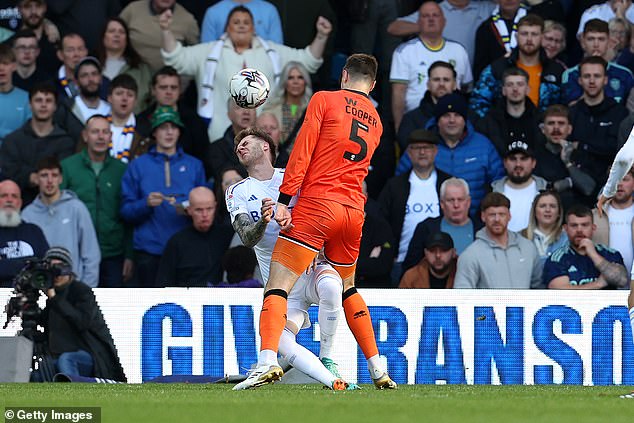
359, 322
273, 319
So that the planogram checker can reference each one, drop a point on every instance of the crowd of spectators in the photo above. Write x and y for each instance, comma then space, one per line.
501, 120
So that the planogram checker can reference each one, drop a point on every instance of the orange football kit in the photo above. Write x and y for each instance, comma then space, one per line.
327, 167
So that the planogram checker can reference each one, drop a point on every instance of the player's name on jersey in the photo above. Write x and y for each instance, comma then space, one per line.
359, 113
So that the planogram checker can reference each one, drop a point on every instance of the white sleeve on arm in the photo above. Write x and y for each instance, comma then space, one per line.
622, 164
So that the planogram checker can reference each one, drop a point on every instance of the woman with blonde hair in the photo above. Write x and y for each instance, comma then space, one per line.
545, 224
554, 42
214, 63
291, 96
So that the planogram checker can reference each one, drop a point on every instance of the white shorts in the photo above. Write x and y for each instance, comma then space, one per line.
304, 292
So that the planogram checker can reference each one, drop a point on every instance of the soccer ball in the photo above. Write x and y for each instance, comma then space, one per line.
249, 88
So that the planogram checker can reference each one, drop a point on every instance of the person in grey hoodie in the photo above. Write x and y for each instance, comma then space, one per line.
498, 258
65, 221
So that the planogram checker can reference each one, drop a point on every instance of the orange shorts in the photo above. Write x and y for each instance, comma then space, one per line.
321, 223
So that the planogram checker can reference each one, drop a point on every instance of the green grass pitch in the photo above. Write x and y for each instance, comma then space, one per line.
310, 403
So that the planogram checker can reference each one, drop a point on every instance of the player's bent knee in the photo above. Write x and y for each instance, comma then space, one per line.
330, 290
295, 320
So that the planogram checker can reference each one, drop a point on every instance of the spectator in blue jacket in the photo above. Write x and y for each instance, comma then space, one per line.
462, 152
544, 73
153, 189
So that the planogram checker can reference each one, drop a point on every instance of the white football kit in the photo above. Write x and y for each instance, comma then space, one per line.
245, 197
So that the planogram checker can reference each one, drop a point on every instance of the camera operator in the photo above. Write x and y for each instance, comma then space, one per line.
18, 240
78, 338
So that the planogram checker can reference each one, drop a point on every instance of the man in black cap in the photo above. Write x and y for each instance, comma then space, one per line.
77, 334
73, 113
412, 197
462, 152
519, 185
437, 269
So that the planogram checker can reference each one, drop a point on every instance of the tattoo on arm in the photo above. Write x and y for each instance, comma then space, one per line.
613, 273
250, 233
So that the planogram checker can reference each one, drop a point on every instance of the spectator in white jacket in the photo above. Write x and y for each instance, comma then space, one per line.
214, 63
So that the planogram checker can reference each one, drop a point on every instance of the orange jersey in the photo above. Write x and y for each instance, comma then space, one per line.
333, 149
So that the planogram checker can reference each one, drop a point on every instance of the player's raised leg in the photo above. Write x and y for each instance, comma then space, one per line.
301, 358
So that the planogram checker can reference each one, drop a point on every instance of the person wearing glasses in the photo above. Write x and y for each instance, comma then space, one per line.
410, 198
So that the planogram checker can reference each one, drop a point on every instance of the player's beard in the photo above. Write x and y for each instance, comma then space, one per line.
88, 93
519, 179
34, 24
10, 218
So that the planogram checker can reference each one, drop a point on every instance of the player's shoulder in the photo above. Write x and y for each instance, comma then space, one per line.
608, 251
454, 46
238, 187
619, 70
559, 254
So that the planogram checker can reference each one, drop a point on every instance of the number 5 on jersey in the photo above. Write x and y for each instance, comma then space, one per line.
356, 138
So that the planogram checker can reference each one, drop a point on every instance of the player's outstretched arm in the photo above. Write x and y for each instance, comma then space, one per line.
250, 233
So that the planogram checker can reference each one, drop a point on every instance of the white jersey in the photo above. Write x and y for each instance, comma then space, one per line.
246, 197
411, 61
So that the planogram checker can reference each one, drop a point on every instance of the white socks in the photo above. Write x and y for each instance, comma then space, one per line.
329, 291
304, 360
375, 366
267, 357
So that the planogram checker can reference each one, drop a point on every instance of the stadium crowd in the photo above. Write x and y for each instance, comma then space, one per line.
501, 120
